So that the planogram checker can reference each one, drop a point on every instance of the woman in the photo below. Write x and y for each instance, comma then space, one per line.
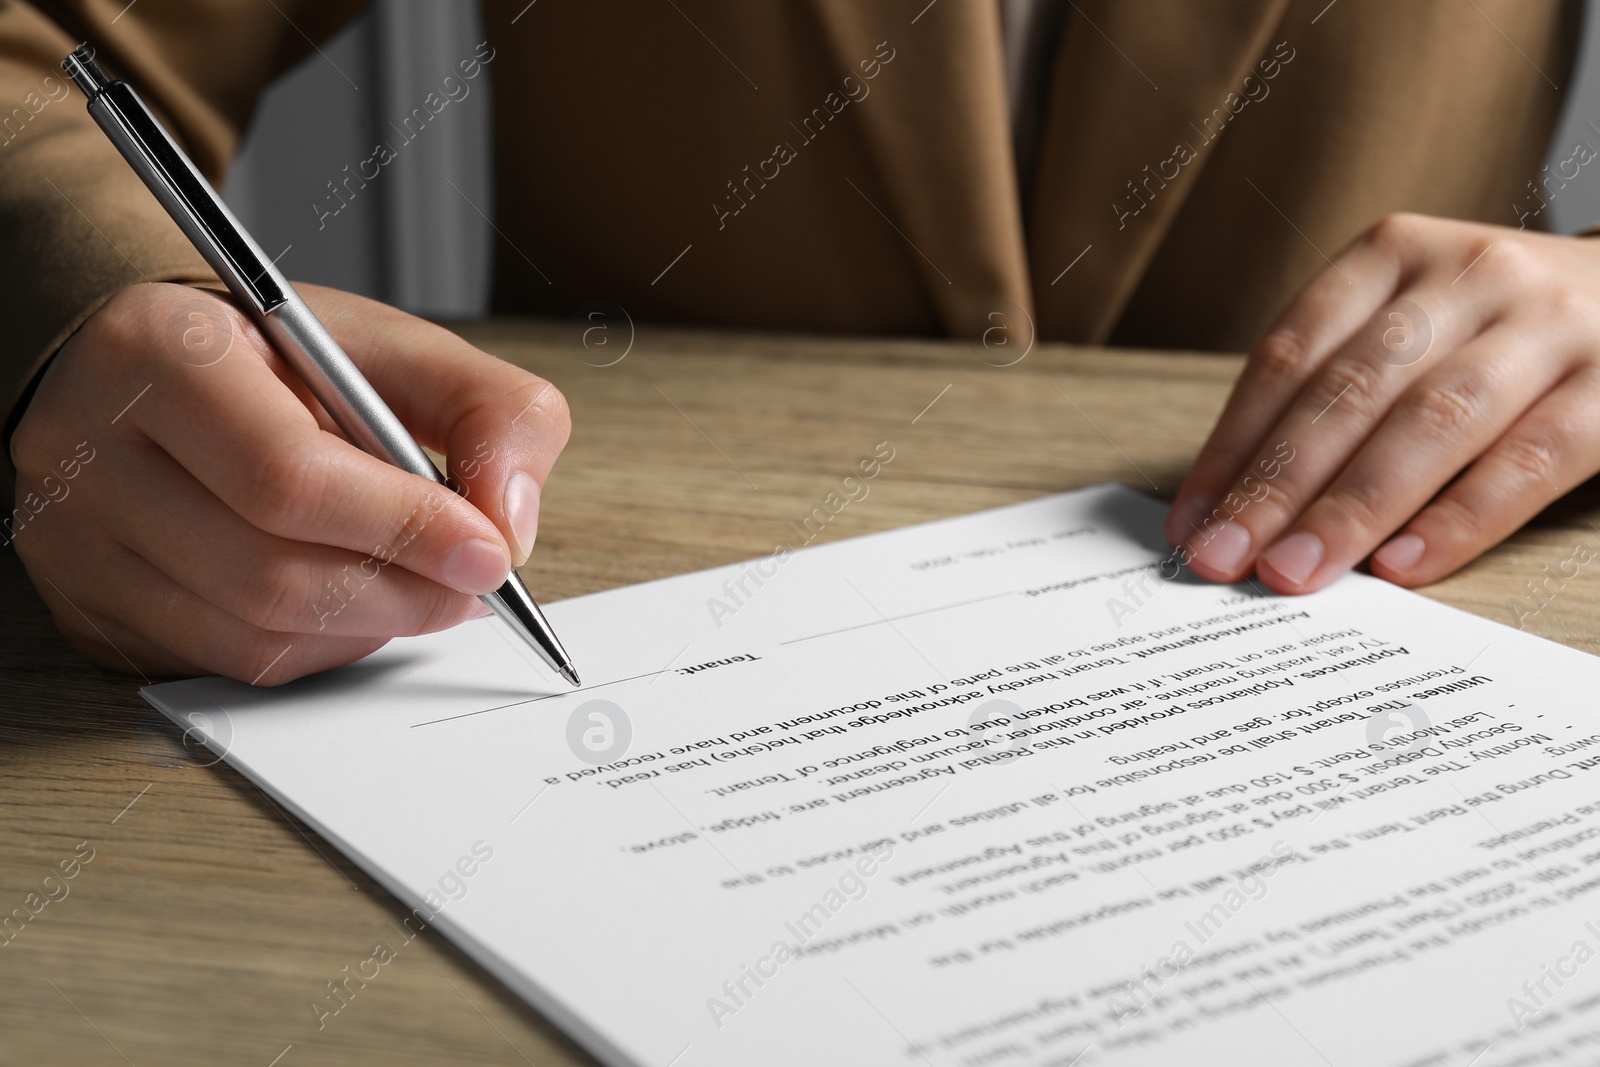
1351, 190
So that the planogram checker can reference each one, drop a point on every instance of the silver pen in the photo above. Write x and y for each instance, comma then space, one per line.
288, 323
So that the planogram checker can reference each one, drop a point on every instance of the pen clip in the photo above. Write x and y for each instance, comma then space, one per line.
174, 180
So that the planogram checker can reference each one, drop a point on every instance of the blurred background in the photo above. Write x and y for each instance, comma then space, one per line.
419, 235
416, 236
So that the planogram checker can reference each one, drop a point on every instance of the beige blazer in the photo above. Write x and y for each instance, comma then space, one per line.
842, 165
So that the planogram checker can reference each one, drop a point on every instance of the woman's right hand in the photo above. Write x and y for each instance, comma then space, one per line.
184, 506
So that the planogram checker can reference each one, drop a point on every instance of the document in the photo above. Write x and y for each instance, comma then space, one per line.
1009, 788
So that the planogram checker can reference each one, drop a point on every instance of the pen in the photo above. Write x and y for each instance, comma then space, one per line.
288, 323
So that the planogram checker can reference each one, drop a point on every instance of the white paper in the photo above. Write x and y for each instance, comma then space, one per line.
1203, 826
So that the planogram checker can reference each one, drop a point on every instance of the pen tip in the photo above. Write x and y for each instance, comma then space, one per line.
572, 676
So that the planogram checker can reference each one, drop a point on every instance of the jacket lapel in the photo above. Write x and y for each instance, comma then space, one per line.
1140, 98
937, 151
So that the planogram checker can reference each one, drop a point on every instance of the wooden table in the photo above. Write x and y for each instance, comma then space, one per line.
208, 920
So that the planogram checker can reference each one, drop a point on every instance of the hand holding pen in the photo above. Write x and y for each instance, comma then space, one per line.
189, 506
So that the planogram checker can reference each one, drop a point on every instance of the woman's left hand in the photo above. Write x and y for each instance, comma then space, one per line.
1433, 389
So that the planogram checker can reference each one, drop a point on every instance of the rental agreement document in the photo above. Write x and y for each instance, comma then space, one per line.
1002, 789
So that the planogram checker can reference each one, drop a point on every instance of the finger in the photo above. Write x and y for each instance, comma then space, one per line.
144, 601
1337, 303
235, 426
267, 582
1330, 418
107, 643
118, 648
1539, 458
500, 427
1439, 426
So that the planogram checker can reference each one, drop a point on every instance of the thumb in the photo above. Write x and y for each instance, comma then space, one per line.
499, 454
500, 427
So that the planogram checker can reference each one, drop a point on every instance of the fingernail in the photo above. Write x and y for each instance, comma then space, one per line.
1401, 553
1184, 521
1296, 556
1225, 549
522, 508
476, 566
480, 610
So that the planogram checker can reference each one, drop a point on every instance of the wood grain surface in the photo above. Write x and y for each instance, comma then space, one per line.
208, 921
